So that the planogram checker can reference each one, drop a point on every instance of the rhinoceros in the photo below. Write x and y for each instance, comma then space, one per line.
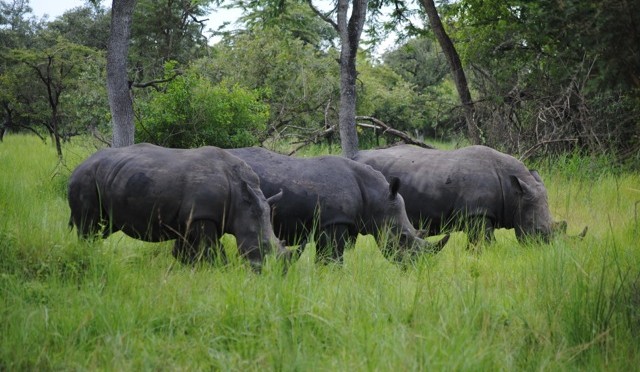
155, 194
340, 196
476, 189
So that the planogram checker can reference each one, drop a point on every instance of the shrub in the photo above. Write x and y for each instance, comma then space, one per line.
192, 112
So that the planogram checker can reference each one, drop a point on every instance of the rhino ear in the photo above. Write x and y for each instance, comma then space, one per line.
520, 186
394, 186
535, 175
248, 193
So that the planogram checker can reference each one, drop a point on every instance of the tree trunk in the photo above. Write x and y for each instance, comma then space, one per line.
117, 79
350, 32
8, 121
474, 133
55, 134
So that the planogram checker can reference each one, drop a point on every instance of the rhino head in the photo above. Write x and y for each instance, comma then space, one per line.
532, 216
252, 226
395, 216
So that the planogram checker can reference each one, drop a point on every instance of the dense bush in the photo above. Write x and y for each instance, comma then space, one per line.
552, 76
192, 112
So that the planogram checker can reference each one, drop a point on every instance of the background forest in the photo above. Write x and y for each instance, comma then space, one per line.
545, 76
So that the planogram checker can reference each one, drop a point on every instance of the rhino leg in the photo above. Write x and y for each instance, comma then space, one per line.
89, 224
332, 241
479, 229
201, 242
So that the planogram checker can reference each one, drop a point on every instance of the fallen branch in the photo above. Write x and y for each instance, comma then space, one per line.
314, 138
377, 125
530, 151
391, 131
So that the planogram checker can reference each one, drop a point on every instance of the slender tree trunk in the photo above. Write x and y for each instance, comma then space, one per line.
474, 133
350, 32
117, 79
56, 136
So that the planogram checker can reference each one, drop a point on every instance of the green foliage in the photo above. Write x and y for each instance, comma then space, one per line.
39, 84
52, 84
293, 18
552, 71
193, 112
166, 31
419, 61
124, 304
16, 25
412, 105
85, 25
301, 80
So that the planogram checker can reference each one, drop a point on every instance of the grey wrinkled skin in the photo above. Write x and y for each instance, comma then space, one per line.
342, 197
155, 194
476, 189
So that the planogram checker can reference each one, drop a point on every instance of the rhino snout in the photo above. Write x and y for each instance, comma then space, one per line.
542, 234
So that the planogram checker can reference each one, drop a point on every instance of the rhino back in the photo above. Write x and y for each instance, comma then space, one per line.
327, 182
151, 192
438, 185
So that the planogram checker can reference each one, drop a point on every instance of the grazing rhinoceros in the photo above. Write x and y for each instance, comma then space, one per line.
474, 188
341, 196
155, 194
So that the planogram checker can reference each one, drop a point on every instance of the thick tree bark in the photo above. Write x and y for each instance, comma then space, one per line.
350, 31
117, 79
459, 78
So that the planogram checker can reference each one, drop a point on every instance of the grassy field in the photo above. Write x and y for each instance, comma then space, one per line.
121, 304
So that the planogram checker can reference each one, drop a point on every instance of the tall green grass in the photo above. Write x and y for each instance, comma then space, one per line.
121, 304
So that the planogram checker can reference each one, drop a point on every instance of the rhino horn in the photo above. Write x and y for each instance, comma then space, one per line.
560, 228
437, 246
433, 247
583, 233
275, 198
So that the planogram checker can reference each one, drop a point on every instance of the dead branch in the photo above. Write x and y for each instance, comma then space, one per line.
155, 83
530, 151
314, 138
377, 125
98, 136
393, 132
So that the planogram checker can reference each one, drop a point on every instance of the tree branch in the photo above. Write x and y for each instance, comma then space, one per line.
530, 151
322, 15
394, 132
154, 83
